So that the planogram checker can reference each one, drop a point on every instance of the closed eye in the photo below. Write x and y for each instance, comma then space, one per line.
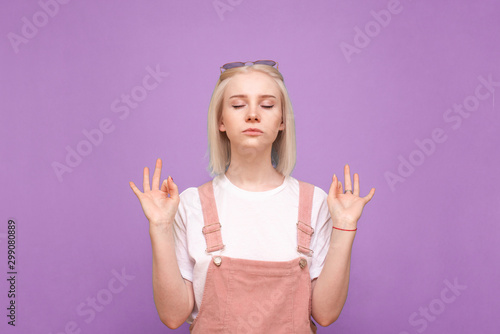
241, 106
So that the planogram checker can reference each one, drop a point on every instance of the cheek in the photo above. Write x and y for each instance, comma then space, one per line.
229, 124
278, 118
223, 120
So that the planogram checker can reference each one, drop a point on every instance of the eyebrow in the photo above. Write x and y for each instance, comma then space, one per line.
243, 95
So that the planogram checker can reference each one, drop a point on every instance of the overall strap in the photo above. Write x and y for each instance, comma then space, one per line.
212, 226
304, 229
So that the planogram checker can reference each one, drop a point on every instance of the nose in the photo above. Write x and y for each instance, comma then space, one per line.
253, 113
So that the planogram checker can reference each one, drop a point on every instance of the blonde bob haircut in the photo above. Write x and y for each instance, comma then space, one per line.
284, 150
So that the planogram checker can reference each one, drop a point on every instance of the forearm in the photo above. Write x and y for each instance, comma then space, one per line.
330, 290
171, 295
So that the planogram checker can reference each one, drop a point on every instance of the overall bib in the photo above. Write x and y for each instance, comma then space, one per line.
250, 296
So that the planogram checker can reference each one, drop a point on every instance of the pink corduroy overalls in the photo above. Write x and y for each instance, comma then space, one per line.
249, 296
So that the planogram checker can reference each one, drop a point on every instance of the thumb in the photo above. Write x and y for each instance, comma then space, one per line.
172, 187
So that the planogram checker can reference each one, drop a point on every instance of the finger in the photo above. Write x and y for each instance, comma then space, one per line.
164, 186
157, 174
347, 177
333, 187
170, 187
136, 190
368, 197
145, 181
356, 184
173, 190
339, 187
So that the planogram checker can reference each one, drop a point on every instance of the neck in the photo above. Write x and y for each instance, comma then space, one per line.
253, 170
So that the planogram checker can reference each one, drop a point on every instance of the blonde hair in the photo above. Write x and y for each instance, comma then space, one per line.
284, 149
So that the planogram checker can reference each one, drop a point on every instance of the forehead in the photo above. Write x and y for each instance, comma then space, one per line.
251, 84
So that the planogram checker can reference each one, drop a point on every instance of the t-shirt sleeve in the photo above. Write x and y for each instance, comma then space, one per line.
320, 241
184, 260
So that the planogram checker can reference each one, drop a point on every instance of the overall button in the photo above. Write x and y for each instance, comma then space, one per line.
302, 263
217, 260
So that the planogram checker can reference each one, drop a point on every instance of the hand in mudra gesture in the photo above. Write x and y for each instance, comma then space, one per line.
159, 208
345, 209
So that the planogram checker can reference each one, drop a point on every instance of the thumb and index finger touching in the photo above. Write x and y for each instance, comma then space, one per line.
167, 186
336, 188
170, 187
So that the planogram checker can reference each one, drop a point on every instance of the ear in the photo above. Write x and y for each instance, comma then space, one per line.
282, 126
222, 127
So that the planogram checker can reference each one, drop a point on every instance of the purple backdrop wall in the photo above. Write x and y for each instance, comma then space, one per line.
403, 91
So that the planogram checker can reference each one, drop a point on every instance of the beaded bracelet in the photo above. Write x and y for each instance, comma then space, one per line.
343, 229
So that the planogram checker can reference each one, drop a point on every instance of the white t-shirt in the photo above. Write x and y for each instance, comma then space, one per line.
258, 225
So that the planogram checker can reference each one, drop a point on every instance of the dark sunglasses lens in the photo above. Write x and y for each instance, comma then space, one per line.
233, 65
266, 62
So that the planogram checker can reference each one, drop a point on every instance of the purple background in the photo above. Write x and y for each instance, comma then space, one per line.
368, 110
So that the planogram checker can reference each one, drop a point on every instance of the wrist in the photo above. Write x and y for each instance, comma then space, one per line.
346, 225
342, 239
345, 230
160, 227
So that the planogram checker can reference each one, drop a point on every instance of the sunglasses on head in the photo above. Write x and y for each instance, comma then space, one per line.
240, 64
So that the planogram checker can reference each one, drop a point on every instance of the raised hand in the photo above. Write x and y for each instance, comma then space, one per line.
159, 204
345, 209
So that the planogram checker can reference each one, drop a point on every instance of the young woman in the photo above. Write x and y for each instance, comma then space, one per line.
254, 250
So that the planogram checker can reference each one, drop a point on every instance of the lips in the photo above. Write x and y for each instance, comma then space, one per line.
252, 130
